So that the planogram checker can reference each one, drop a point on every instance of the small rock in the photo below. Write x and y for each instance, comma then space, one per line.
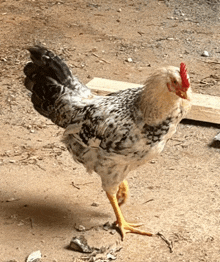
80, 244
32, 131
12, 161
94, 49
34, 256
217, 137
102, 250
119, 10
12, 199
205, 53
94, 204
110, 256
80, 228
129, 60
107, 226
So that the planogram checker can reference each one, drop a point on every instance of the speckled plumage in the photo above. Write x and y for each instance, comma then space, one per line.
113, 134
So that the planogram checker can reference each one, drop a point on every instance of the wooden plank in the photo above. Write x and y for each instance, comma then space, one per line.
204, 107
106, 86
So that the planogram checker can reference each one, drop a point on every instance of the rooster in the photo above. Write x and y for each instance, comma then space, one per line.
114, 134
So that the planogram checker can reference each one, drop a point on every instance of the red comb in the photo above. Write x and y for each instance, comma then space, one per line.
183, 74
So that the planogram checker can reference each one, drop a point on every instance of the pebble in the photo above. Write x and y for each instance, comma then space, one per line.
129, 60
205, 53
94, 204
94, 49
111, 257
80, 244
80, 228
20, 224
217, 137
107, 226
12, 199
34, 256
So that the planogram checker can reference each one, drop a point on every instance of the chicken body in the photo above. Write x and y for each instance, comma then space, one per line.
111, 137
113, 134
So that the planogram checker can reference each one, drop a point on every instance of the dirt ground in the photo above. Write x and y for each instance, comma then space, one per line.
45, 198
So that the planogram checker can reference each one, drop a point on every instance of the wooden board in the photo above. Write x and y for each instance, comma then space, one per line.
204, 107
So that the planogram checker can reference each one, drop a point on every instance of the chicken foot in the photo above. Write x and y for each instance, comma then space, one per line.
123, 225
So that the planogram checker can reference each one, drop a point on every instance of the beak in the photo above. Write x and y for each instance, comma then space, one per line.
181, 94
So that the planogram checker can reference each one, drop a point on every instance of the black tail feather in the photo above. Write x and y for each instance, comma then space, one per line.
46, 77
46, 62
52, 85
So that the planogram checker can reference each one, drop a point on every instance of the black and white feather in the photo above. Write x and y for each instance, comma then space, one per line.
112, 134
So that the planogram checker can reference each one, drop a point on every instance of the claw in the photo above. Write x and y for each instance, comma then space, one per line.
131, 228
124, 226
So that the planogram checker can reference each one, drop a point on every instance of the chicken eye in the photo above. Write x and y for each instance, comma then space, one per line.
175, 82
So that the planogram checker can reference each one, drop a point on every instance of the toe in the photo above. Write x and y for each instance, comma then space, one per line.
131, 228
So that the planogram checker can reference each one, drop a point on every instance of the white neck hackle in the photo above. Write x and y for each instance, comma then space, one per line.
157, 102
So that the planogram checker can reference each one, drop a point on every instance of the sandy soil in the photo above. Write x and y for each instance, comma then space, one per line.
45, 197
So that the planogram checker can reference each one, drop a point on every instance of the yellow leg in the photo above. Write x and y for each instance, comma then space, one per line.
124, 226
122, 196
122, 193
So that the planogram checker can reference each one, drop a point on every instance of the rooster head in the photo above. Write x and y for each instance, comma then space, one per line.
180, 85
